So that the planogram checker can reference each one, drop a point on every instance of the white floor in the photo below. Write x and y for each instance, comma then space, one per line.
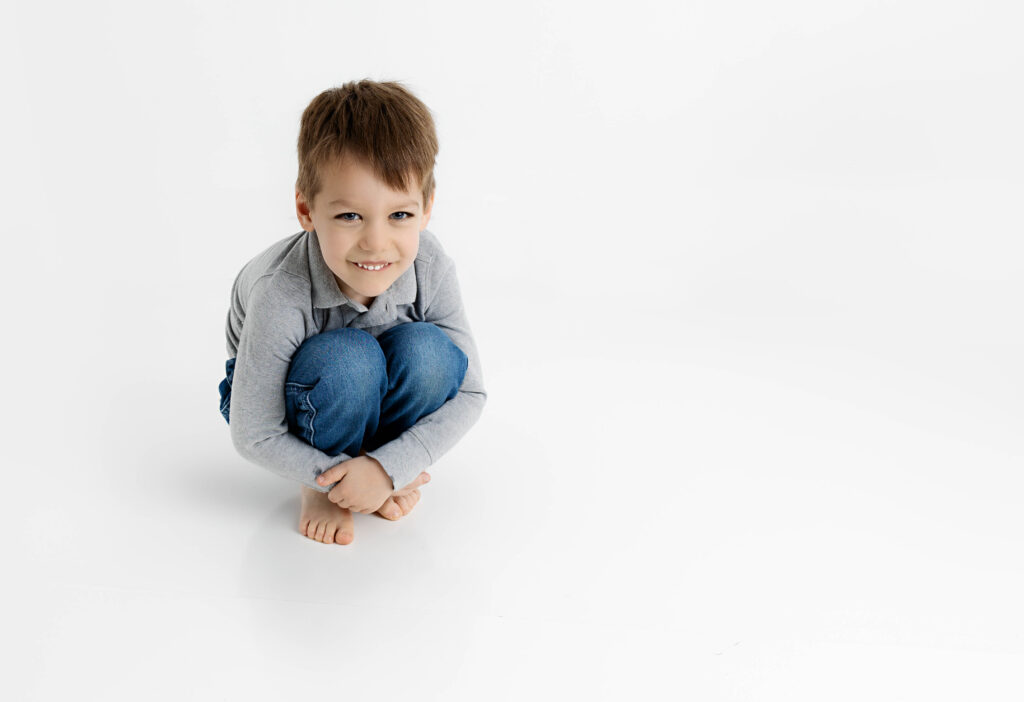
678, 520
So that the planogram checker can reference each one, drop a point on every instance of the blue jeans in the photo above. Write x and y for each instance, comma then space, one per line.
347, 391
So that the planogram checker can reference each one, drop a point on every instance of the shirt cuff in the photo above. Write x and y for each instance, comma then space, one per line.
403, 458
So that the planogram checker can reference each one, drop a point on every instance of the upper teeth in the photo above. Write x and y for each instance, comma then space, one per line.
372, 268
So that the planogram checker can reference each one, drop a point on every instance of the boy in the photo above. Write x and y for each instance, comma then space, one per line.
351, 364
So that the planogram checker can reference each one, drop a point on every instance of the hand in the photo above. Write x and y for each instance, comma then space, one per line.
363, 485
414, 485
417, 482
402, 501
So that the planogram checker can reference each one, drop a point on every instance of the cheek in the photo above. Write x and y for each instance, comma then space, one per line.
412, 246
334, 246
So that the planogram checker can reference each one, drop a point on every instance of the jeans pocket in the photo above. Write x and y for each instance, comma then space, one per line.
300, 410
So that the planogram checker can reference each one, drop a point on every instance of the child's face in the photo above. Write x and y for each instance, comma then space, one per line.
359, 219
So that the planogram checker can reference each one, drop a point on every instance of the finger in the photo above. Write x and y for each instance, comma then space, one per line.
332, 474
339, 497
408, 493
418, 481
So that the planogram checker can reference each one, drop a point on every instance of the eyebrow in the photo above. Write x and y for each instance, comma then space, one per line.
410, 203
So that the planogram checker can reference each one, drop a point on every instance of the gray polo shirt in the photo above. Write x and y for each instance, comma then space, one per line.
286, 294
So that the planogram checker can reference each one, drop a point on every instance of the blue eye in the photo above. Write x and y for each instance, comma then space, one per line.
344, 216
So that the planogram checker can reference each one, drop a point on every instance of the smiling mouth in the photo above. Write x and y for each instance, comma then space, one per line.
374, 269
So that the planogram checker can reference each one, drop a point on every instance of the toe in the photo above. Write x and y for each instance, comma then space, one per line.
320, 528
346, 530
329, 534
389, 509
408, 502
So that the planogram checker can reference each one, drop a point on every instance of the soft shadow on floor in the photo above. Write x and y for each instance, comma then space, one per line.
224, 487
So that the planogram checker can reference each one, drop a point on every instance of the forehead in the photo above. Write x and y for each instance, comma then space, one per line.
353, 181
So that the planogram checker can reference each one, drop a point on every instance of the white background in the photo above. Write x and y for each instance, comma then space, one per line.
746, 280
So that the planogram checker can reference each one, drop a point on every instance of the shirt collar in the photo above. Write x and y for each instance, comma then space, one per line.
326, 293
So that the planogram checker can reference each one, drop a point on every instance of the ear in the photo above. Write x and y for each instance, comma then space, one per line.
303, 211
426, 212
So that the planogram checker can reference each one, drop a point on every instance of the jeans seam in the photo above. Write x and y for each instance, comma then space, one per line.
312, 416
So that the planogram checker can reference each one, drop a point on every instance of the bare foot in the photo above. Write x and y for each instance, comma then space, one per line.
322, 520
396, 507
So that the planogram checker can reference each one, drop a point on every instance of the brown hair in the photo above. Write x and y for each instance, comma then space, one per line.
380, 122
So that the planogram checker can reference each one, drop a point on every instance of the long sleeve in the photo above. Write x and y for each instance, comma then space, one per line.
274, 328
433, 435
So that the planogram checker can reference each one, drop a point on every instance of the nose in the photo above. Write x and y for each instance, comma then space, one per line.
375, 238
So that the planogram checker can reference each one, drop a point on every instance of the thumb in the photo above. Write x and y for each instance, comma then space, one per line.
332, 474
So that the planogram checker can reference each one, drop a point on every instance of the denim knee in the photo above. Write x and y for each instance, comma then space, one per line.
430, 360
346, 356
